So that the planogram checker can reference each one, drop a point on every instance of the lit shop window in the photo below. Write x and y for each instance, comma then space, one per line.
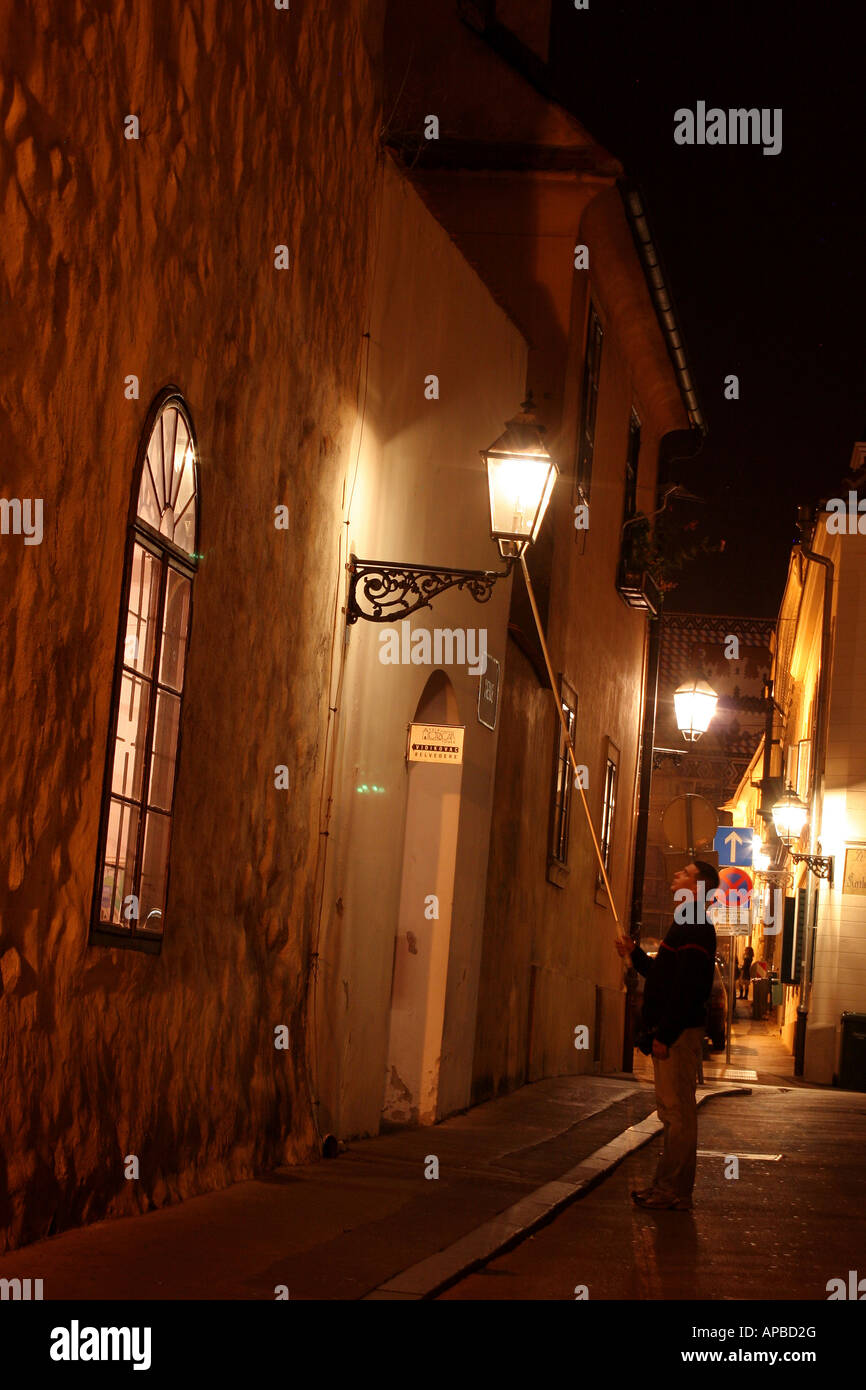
142, 762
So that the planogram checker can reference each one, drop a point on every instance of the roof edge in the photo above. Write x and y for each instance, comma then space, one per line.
663, 303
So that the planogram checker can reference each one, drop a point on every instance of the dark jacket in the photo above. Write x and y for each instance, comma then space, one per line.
679, 981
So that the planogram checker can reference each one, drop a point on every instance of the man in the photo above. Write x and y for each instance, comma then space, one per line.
678, 985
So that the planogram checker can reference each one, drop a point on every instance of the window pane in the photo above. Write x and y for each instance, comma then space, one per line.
164, 750
174, 630
149, 504
130, 737
119, 862
178, 457
141, 615
166, 499
184, 513
153, 872
183, 490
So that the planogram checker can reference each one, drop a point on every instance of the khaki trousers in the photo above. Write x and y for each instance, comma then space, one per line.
675, 1079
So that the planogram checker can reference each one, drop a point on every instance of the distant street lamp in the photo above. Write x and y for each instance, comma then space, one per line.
695, 704
520, 479
789, 817
763, 858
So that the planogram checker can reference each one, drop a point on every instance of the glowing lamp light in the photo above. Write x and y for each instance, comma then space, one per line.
520, 476
761, 856
789, 817
695, 704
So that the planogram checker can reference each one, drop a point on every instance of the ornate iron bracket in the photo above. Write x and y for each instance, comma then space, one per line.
659, 755
390, 592
821, 865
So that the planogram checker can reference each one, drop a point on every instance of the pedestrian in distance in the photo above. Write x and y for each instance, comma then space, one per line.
678, 985
745, 972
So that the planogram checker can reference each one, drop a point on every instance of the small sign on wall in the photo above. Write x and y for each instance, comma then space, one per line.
435, 743
855, 870
488, 694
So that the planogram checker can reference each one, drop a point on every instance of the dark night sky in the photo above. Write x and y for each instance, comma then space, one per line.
765, 255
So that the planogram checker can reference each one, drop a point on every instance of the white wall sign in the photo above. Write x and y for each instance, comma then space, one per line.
435, 743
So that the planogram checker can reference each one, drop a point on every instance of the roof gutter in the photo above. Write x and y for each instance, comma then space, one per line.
662, 302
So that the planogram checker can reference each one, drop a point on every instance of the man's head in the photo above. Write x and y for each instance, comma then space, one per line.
688, 878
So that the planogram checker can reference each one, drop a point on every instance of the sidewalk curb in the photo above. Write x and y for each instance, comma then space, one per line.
438, 1272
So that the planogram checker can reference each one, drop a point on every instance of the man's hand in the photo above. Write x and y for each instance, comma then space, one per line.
624, 945
660, 1050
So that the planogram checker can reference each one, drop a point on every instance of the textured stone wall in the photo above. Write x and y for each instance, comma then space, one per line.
155, 257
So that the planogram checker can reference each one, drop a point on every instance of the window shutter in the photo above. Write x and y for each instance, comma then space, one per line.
788, 943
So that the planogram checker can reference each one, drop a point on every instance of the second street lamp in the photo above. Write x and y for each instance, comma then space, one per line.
695, 704
789, 817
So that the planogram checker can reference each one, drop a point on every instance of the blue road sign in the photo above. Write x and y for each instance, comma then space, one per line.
734, 844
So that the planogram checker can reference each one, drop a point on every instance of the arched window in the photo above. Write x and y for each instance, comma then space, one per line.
142, 760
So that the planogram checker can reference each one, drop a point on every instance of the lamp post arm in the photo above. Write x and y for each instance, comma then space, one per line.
381, 592
566, 734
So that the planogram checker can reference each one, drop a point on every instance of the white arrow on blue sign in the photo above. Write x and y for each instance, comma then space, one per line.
734, 845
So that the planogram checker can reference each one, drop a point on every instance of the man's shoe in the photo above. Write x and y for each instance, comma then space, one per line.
660, 1201
639, 1193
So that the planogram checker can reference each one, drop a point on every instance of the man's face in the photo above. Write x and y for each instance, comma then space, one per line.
685, 878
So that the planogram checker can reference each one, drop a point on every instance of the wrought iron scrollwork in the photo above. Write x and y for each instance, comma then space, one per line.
383, 593
820, 865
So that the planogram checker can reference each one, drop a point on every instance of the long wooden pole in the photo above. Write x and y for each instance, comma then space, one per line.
558, 702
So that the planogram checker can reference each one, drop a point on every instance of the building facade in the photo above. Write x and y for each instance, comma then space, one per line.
816, 939
257, 333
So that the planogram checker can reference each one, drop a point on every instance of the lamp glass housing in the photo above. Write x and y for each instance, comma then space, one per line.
789, 817
695, 704
520, 478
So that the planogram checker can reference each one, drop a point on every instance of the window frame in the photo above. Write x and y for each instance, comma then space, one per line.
557, 867
589, 397
169, 556
803, 783
607, 820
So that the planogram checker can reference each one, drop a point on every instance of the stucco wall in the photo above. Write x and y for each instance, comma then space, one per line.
155, 257
419, 495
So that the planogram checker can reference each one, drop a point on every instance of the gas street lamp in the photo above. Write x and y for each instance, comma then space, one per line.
789, 817
695, 704
520, 479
